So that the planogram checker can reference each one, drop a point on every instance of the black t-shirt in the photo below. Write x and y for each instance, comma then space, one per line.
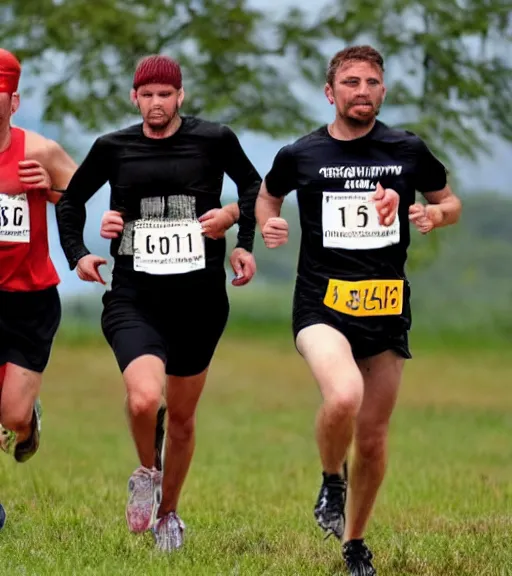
341, 238
176, 179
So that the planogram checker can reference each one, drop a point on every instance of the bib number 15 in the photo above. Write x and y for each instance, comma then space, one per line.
362, 215
350, 221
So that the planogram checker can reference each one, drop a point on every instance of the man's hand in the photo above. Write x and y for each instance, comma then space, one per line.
425, 218
216, 222
87, 268
34, 175
386, 202
112, 224
244, 266
275, 232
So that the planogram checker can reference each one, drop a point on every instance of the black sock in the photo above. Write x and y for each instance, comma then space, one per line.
332, 479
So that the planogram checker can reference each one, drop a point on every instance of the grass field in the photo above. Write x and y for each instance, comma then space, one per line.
445, 508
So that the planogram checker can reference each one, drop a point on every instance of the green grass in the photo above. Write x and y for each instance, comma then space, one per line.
444, 509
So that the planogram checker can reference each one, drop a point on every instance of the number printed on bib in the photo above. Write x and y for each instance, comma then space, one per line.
350, 221
14, 218
168, 246
365, 297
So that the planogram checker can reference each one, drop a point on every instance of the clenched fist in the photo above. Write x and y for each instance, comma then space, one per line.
275, 232
425, 218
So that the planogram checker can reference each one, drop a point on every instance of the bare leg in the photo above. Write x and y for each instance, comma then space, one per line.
144, 379
183, 395
19, 392
329, 356
382, 375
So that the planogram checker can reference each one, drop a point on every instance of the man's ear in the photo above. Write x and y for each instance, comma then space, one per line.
328, 93
15, 102
181, 97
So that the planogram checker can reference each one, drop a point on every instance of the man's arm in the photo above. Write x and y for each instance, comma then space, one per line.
444, 207
267, 206
233, 210
240, 169
50, 157
71, 212
280, 181
61, 168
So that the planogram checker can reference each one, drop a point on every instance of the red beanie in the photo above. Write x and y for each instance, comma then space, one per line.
10, 72
157, 70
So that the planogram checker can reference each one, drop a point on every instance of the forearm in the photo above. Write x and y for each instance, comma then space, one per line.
446, 212
239, 168
267, 206
71, 214
246, 218
233, 210
92, 174
443, 207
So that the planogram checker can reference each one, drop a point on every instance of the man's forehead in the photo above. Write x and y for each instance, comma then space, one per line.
157, 88
359, 68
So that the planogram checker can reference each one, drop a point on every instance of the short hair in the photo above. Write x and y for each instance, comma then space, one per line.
362, 53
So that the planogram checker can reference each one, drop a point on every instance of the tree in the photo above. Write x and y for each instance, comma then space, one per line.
449, 61
230, 74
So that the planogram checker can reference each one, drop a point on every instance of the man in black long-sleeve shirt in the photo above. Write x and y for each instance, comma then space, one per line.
168, 306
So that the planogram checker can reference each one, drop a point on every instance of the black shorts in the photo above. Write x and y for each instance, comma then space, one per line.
367, 336
28, 323
181, 324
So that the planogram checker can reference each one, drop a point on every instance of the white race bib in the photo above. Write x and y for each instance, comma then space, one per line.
350, 221
168, 246
14, 218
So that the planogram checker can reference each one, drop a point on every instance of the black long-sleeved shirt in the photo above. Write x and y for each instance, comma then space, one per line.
173, 178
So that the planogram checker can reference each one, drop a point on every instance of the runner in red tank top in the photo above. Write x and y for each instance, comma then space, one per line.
32, 169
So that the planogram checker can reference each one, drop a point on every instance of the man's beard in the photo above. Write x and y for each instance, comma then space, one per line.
360, 121
162, 126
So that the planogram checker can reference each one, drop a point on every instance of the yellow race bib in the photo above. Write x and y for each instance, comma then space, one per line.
366, 297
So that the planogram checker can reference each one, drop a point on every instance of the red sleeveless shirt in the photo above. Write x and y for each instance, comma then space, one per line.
25, 263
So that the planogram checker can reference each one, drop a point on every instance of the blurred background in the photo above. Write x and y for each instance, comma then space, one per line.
259, 66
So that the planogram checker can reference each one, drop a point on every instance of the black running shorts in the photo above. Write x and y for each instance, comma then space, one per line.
367, 336
181, 323
28, 323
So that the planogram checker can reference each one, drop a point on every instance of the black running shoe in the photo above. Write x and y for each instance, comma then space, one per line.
358, 558
159, 437
330, 506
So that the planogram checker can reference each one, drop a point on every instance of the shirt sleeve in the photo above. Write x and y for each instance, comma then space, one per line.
282, 178
90, 176
430, 173
247, 180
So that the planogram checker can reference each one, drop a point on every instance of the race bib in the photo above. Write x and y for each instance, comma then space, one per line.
168, 246
350, 221
366, 297
14, 218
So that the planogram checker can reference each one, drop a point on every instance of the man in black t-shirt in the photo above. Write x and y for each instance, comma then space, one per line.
168, 306
351, 312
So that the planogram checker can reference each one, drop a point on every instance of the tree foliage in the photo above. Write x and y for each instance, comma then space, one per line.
448, 62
